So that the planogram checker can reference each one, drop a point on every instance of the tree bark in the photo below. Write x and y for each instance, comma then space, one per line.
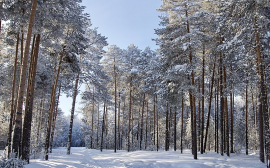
12, 111
167, 138
247, 117
29, 103
263, 109
209, 107
52, 106
72, 113
141, 136
202, 127
175, 111
182, 125
115, 108
18, 121
54, 118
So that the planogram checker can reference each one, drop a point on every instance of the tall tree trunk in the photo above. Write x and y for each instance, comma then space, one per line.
157, 125
97, 124
263, 110
92, 118
54, 118
18, 123
115, 108
167, 138
209, 107
141, 138
119, 123
12, 111
232, 108
226, 132
182, 124
103, 127
146, 126
217, 106
29, 102
175, 111
52, 106
221, 106
192, 99
247, 117
72, 113
129, 114
202, 129
154, 110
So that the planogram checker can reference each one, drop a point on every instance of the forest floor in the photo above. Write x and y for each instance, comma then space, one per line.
84, 158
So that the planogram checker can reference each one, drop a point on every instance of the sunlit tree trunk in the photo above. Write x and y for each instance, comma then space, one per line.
52, 106
72, 113
54, 118
247, 117
18, 121
12, 111
29, 102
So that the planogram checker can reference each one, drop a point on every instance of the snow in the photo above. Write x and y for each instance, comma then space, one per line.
81, 157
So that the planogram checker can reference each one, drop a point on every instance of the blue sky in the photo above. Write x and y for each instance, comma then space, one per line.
123, 22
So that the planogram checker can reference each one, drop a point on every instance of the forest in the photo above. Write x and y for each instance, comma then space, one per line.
205, 88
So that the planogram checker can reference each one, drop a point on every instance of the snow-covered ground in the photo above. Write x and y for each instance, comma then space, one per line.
81, 157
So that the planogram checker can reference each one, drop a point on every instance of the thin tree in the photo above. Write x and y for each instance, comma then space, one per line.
52, 106
12, 110
72, 113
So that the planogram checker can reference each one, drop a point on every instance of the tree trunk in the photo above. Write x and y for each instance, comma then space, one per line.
146, 126
18, 121
217, 106
141, 138
129, 114
12, 111
226, 132
202, 128
119, 124
103, 128
182, 125
97, 124
157, 126
92, 118
72, 114
175, 109
54, 118
263, 110
115, 108
247, 117
52, 106
209, 107
167, 138
29, 103
221, 106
